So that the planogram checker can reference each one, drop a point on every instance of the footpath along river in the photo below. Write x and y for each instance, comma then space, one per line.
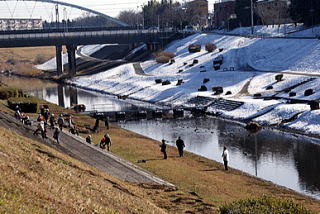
282, 158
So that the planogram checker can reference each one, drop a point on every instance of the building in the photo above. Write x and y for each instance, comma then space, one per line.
223, 12
198, 11
20, 24
273, 12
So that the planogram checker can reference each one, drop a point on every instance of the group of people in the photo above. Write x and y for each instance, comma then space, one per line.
105, 142
22, 116
179, 143
180, 146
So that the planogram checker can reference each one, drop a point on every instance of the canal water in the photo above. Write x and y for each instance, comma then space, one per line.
284, 159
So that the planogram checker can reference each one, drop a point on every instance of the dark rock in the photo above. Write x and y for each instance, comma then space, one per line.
217, 90
279, 77
195, 61
172, 61
180, 81
158, 81
314, 105
202, 71
205, 80
218, 60
202, 66
203, 88
228, 93
220, 49
180, 71
185, 63
270, 87
308, 92
217, 67
194, 48
166, 82
292, 94
257, 95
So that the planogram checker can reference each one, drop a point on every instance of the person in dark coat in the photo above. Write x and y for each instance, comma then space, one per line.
56, 134
163, 148
180, 146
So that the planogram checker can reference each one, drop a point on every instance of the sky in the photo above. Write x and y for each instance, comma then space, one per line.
23, 9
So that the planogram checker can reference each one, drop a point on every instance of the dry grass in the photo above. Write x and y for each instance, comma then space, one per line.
26, 54
37, 179
25, 58
162, 59
198, 174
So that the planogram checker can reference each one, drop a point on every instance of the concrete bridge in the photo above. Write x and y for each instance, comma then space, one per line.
83, 36
73, 37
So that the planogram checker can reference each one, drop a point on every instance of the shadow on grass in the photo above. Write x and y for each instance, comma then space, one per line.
156, 159
212, 170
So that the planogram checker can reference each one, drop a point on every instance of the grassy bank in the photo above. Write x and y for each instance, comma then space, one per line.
192, 173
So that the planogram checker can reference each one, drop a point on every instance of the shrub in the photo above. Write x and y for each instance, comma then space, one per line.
264, 205
11, 61
194, 48
26, 104
166, 54
39, 60
162, 59
210, 47
7, 92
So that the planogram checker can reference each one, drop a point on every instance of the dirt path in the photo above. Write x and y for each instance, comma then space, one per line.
76, 147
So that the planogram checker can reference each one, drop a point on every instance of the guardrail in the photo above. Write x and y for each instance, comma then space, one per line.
82, 37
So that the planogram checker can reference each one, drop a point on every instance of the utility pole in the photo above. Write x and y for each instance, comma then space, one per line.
252, 17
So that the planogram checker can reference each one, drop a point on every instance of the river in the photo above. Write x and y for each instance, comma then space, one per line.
285, 159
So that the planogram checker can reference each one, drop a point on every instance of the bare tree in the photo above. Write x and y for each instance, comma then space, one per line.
131, 17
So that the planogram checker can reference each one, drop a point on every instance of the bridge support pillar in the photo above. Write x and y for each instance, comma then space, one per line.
59, 59
72, 65
61, 95
73, 96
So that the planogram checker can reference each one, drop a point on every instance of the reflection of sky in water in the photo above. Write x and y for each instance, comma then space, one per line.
276, 161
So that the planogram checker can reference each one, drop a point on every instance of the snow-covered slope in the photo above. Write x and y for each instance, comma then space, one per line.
248, 57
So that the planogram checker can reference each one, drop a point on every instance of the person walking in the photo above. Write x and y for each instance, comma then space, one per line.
41, 129
60, 122
225, 157
180, 146
56, 134
52, 120
163, 148
106, 122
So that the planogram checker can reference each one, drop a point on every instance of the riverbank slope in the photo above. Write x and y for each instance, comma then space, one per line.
195, 175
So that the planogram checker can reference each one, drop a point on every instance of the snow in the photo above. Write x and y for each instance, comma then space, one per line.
249, 57
88, 50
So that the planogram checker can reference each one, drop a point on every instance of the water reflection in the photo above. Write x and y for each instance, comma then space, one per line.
284, 160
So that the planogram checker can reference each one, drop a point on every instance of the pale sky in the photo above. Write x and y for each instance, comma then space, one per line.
23, 9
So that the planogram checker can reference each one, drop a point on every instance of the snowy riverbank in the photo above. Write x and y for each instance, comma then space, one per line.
298, 60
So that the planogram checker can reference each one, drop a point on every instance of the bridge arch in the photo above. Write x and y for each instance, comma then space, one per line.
77, 7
